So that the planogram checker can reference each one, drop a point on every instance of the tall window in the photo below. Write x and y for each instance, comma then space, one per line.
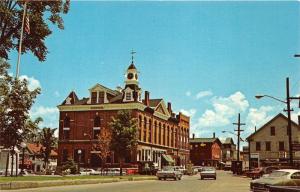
140, 128
268, 146
64, 155
172, 137
145, 129
159, 134
66, 128
281, 146
150, 131
155, 132
94, 97
101, 97
67, 122
128, 96
272, 130
258, 146
97, 121
164, 136
81, 156
168, 136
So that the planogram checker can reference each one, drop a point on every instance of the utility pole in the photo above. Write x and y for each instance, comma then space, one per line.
289, 127
238, 134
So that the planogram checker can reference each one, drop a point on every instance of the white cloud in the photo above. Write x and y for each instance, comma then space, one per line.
190, 112
49, 115
188, 93
202, 94
32, 82
224, 108
258, 116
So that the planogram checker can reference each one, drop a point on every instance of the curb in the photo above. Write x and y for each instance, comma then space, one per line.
36, 184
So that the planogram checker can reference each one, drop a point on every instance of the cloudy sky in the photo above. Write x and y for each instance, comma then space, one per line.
208, 58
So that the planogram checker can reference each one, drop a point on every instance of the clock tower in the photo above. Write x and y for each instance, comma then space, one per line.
132, 91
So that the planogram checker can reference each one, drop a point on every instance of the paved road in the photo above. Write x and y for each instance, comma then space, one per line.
225, 183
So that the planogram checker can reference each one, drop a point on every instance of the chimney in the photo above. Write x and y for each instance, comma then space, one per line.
298, 119
170, 107
147, 98
193, 135
214, 135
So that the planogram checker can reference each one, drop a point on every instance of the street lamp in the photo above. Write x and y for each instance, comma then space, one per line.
23, 146
79, 159
288, 110
90, 137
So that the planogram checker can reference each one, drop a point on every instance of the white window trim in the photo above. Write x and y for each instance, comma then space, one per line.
66, 128
96, 128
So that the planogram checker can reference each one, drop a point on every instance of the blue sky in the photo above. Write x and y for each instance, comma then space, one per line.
208, 58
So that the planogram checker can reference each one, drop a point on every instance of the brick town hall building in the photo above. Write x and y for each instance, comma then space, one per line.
162, 135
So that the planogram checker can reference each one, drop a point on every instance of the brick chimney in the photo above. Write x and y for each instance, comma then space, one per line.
170, 107
147, 98
193, 135
214, 135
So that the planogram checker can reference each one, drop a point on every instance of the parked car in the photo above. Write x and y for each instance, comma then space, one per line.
284, 189
258, 172
282, 177
208, 172
198, 168
181, 169
169, 172
87, 172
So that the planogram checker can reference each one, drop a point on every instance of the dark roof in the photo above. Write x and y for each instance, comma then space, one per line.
131, 66
203, 140
154, 102
117, 98
228, 140
269, 122
73, 97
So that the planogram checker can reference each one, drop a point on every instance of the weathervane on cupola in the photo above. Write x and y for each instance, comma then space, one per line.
132, 89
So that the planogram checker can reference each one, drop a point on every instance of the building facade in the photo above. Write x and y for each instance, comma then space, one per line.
162, 135
270, 143
205, 151
228, 150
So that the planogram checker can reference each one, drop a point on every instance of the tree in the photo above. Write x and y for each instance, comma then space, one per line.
16, 100
32, 130
124, 135
11, 12
103, 146
48, 141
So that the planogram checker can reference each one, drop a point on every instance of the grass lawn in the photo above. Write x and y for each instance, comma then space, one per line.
47, 178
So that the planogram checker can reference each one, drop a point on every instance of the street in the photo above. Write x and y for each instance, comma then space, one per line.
225, 183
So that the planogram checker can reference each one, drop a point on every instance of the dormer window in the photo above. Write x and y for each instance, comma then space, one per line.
128, 96
94, 97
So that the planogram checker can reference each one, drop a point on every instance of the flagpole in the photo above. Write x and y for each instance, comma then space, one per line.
21, 39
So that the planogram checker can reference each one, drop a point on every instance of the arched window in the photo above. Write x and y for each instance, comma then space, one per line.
140, 128
67, 122
150, 131
145, 129
155, 132
97, 121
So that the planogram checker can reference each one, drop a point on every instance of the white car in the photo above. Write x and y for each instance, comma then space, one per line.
88, 172
208, 172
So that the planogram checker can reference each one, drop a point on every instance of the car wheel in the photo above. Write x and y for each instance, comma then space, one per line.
159, 178
179, 178
175, 178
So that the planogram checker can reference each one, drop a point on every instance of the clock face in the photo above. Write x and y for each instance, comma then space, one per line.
130, 76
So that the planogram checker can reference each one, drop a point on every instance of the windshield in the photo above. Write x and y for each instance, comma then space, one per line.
208, 169
278, 174
167, 168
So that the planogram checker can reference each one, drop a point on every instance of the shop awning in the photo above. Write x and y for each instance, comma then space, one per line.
168, 158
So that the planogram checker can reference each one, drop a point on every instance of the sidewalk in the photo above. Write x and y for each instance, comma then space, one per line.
49, 183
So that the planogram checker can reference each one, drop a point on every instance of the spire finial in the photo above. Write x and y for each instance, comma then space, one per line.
132, 55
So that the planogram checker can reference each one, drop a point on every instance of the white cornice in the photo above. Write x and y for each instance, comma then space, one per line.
100, 107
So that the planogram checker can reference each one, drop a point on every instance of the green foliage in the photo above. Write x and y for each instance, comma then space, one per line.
32, 129
70, 165
124, 133
39, 13
16, 101
47, 139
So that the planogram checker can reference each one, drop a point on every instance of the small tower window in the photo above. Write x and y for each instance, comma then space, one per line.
128, 96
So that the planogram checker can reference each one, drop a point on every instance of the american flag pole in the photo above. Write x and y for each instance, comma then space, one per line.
21, 39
